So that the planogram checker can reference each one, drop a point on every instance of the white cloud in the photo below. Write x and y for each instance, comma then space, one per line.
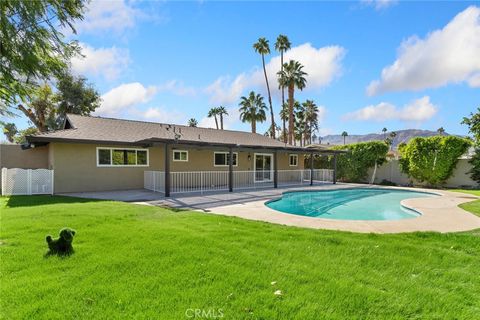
107, 62
449, 55
379, 4
123, 97
177, 87
322, 66
322, 113
115, 16
416, 111
158, 114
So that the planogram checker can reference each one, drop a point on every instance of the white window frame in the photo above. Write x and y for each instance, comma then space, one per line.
225, 153
111, 165
173, 155
296, 160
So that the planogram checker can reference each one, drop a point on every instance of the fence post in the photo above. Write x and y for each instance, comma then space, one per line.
4, 180
334, 168
29, 181
275, 169
167, 170
53, 182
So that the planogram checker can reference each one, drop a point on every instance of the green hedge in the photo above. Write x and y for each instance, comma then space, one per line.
432, 159
353, 166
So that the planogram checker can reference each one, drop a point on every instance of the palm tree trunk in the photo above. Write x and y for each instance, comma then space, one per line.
283, 101
272, 133
291, 90
216, 122
254, 126
221, 121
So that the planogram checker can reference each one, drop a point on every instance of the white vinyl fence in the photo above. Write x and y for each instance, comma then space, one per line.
204, 181
26, 181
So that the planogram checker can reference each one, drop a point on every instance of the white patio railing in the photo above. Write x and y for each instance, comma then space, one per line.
17, 181
205, 181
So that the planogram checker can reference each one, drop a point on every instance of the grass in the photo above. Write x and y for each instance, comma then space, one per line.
473, 206
144, 262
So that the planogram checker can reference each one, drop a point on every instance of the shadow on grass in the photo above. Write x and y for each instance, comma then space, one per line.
40, 200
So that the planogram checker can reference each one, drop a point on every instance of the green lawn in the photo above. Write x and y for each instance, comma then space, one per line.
139, 262
473, 206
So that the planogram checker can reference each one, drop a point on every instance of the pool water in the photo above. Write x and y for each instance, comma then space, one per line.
349, 204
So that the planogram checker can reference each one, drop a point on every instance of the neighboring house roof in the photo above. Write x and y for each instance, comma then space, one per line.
87, 129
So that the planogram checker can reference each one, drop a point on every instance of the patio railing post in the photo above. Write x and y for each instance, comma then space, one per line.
334, 168
167, 170
275, 169
311, 169
230, 170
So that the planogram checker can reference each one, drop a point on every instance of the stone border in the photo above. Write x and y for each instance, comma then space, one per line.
438, 214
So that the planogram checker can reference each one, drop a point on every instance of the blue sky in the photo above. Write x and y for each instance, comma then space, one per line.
171, 61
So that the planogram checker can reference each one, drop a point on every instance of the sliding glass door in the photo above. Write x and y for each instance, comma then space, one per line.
263, 167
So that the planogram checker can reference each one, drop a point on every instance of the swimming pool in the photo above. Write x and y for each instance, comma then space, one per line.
348, 204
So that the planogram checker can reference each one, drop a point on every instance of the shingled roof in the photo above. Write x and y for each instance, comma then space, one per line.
88, 129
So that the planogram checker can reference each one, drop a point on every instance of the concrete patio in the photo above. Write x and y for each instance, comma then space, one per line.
440, 214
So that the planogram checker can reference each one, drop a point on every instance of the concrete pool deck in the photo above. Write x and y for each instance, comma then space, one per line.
440, 214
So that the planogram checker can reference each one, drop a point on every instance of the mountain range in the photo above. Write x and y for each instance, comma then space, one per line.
402, 136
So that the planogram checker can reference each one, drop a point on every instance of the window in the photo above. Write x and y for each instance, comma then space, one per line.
180, 155
110, 157
222, 159
293, 160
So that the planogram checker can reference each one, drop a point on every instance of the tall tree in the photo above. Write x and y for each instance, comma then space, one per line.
262, 47
284, 113
75, 95
33, 46
10, 131
301, 124
344, 135
393, 134
252, 110
192, 122
441, 131
212, 113
292, 77
282, 45
384, 130
473, 123
40, 109
221, 111
311, 117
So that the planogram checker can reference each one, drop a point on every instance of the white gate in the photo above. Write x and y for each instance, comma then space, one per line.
17, 181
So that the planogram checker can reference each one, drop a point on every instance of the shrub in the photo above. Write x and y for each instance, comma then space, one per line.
432, 159
353, 166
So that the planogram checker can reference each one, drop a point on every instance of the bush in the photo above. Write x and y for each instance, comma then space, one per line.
432, 159
353, 166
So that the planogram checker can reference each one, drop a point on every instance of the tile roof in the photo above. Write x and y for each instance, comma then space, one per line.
109, 130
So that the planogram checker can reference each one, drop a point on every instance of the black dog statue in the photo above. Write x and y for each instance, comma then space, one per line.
62, 245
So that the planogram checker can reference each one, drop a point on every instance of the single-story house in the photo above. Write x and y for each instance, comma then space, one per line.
100, 154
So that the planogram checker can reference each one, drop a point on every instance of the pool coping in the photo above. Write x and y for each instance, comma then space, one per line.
438, 214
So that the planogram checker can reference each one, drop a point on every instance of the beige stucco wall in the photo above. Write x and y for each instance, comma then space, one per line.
391, 171
12, 156
76, 168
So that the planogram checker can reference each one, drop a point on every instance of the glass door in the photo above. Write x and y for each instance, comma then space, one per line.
263, 167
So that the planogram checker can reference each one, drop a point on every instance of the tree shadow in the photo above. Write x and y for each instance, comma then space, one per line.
39, 200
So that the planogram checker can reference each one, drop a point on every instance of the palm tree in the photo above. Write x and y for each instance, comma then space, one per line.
252, 109
284, 116
262, 47
213, 112
311, 117
221, 111
384, 130
344, 135
441, 131
291, 76
282, 45
393, 134
192, 122
301, 125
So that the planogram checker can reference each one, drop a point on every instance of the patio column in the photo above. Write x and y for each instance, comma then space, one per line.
275, 169
230, 170
167, 170
334, 168
311, 169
